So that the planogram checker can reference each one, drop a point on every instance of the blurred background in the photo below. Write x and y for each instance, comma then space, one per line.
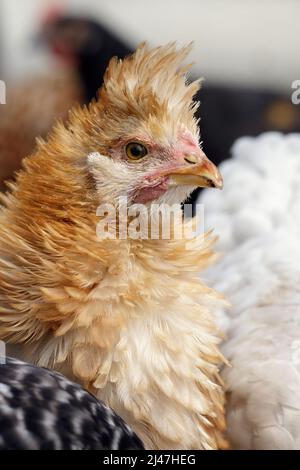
54, 54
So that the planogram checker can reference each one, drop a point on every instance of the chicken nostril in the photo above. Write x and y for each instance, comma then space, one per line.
190, 159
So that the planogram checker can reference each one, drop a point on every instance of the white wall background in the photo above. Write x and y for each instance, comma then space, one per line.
249, 42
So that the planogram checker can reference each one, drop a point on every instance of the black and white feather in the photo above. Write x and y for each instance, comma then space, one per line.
41, 409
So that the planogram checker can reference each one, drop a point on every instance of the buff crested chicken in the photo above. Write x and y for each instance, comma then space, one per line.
259, 229
128, 317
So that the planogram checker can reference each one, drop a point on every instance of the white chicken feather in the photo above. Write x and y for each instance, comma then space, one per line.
258, 220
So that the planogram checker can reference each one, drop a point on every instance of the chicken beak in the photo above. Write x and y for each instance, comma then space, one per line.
198, 171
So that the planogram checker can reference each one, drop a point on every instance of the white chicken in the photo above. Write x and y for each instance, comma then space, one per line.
258, 220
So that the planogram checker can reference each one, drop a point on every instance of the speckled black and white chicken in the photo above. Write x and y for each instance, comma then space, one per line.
258, 220
41, 409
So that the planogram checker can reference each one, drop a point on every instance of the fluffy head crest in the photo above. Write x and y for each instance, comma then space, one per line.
152, 83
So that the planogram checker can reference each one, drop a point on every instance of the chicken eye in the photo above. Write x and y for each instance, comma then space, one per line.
135, 151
